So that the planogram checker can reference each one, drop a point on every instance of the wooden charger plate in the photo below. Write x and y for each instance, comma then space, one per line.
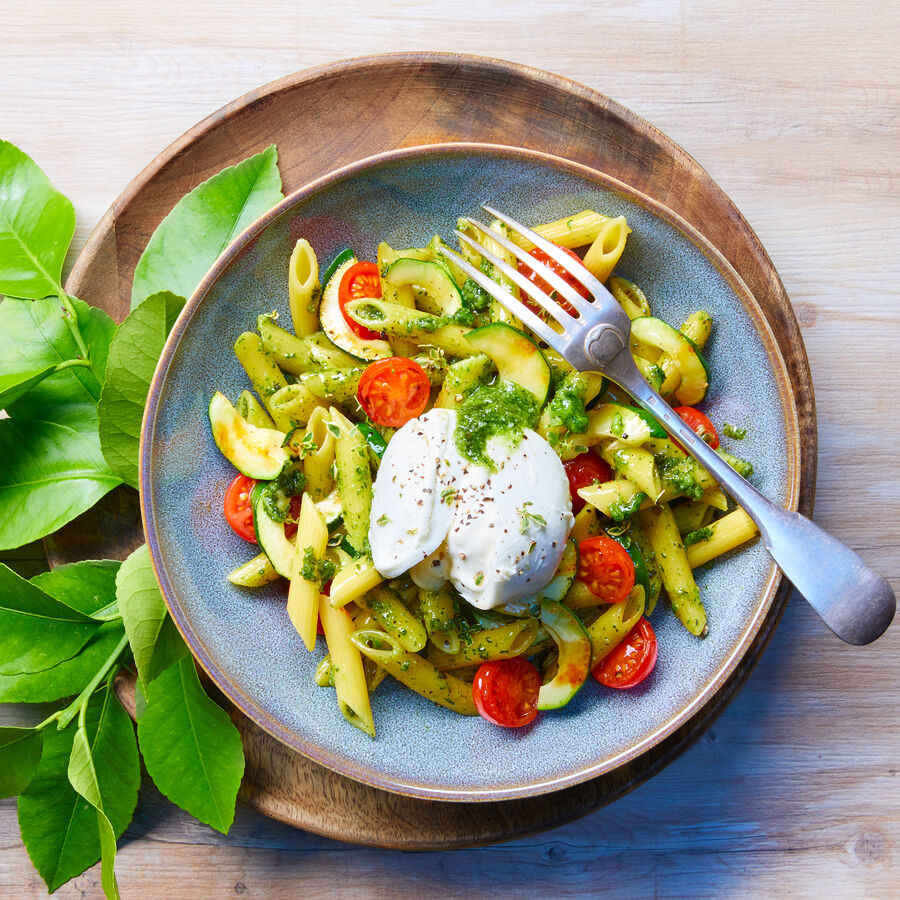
328, 117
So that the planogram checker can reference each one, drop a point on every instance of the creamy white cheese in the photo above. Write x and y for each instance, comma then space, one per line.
497, 536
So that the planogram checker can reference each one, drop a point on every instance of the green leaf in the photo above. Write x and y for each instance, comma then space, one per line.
133, 355
14, 386
88, 586
66, 679
105, 770
202, 224
191, 748
59, 827
155, 641
20, 753
34, 335
50, 475
38, 631
36, 227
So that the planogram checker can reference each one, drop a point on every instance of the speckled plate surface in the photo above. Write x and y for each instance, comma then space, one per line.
245, 641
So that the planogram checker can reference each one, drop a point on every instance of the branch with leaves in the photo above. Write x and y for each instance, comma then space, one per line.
72, 393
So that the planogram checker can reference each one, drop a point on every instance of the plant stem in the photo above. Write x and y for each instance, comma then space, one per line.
71, 317
48, 720
73, 362
74, 707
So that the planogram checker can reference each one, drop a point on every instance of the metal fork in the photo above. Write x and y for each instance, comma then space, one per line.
855, 602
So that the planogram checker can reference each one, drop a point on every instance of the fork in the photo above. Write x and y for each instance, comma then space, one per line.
854, 601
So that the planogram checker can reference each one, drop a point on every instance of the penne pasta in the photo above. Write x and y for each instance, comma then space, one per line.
303, 594
304, 289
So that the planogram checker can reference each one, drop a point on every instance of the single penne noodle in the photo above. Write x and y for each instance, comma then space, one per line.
715, 497
333, 385
674, 568
354, 479
573, 231
317, 462
395, 618
639, 536
356, 578
691, 515
264, 374
635, 464
604, 252
373, 672
696, 327
254, 573
303, 288
587, 524
609, 629
727, 533
631, 298
580, 596
503, 641
347, 665
303, 593
416, 673
423, 329
252, 411
293, 403
291, 353
439, 616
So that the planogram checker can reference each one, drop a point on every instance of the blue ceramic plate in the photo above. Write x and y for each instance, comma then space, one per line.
244, 639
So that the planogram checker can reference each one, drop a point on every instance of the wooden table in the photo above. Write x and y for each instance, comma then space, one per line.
795, 111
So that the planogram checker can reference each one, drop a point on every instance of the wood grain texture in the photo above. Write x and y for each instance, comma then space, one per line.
794, 112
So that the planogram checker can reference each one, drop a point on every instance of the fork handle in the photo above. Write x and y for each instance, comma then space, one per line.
854, 601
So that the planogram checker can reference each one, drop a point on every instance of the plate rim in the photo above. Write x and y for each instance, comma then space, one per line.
366, 775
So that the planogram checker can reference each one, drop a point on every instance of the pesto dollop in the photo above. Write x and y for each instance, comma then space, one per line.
567, 406
497, 410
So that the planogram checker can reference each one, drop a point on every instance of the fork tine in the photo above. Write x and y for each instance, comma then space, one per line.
577, 269
539, 297
555, 281
503, 296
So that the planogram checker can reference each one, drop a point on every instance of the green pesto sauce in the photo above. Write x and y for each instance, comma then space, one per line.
567, 406
681, 475
621, 510
474, 296
276, 499
701, 534
498, 410
315, 569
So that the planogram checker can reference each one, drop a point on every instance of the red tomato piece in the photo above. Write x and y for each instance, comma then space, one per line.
393, 391
606, 568
583, 470
360, 280
699, 423
539, 282
237, 508
506, 691
632, 661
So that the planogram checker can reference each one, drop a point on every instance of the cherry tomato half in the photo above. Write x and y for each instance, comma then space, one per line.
585, 469
393, 391
506, 691
554, 266
699, 423
632, 661
606, 568
238, 511
360, 280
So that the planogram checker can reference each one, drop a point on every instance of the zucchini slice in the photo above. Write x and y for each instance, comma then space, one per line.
431, 277
331, 510
254, 452
517, 357
335, 325
656, 333
574, 655
624, 423
270, 535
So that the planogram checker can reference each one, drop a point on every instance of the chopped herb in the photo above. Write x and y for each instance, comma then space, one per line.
404, 665
734, 431
528, 518
412, 530
618, 425
290, 435
479, 579
308, 445
701, 534
447, 495
382, 520
333, 428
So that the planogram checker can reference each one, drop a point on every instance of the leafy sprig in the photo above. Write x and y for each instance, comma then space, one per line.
73, 390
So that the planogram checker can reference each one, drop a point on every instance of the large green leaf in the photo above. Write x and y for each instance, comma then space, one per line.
88, 586
191, 748
38, 631
202, 224
66, 679
59, 827
154, 639
50, 475
36, 227
20, 753
33, 336
105, 771
133, 355
20, 383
